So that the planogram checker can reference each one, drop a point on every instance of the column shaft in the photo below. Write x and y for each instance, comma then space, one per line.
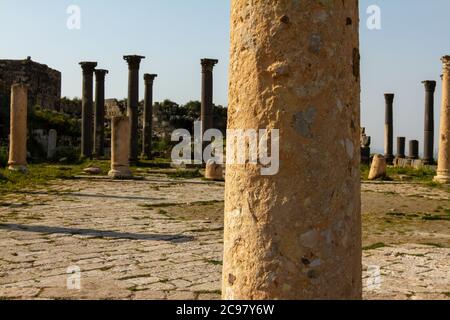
389, 128
413, 150
18, 128
133, 103
120, 148
443, 171
148, 116
99, 131
401, 147
295, 234
207, 94
87, 125
430, 87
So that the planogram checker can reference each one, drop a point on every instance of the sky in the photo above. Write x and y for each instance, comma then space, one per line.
175, 34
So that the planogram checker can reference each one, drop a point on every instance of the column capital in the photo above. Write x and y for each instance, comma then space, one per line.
149, 77
208, 64
389, 97
88, 66
430, 85
133, 61
446, 62
100, 74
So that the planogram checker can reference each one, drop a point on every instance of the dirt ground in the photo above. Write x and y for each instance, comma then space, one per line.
161, 238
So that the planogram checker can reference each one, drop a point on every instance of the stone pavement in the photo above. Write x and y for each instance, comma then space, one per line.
124, 240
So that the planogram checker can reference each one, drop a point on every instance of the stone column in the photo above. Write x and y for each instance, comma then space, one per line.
207, 94
99, 131
401, 148
389, 128
413, 150
133, 103
295, 234
120, 148
51, 143
148, 116
18, 128
87, 125
430, 87
443, 171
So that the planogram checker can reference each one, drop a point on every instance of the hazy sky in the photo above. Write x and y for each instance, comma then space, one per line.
175, 34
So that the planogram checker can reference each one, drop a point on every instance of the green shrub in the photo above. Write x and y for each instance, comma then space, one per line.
3, 156
68, 154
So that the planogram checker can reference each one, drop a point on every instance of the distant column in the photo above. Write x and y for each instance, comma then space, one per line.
148, 116
133, 102
430, 88
413, 150
87, 126
120, 148
18, 128
389, 128
207, 93
443, 171
401, 148
100, 112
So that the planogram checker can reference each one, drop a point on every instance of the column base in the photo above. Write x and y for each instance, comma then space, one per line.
443, 179
18, 168
120, 173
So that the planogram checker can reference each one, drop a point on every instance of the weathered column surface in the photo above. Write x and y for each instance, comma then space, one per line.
413, 150
18, 128
133, 103
207, 93
297, 234
99, 131
443, 171
389, 128
148, 116
428, 153
120, 148
87, 125
401, 148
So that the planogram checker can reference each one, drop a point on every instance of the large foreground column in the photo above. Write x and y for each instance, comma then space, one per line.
207, 94
87, 125
296, 234
428, 154
133, 103
18, 128
443, 171
120, 148
389, 128
100, 112
148, 116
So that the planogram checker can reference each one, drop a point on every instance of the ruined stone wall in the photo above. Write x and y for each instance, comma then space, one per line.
44, 83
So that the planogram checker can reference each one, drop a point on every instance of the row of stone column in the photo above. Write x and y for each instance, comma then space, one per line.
93, 138
443, 172
430, 87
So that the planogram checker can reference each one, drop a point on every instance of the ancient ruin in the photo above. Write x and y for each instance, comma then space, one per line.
134, 62
365, 147
443, 171
148, 116
44, 83
389, 128
207, 94
99, 113
413, 150
18, 128
291, 235
87, 126
120, 148
428, 153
